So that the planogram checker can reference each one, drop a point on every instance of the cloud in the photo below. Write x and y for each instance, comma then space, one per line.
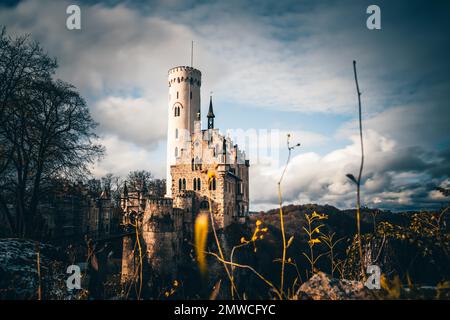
393, 177
243, 56
122, 157
280, 56
134, 120
299, 58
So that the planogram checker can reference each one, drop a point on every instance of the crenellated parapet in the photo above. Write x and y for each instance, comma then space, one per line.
185, 74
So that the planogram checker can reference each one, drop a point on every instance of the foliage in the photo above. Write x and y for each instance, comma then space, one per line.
314, 234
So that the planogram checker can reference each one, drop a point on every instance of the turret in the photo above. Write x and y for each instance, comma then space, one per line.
183, 109
210, 115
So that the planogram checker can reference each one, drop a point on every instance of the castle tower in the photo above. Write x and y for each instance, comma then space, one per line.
184, 109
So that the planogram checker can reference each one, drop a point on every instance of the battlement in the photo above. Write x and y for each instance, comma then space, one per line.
185, 74
184, 69
160, 201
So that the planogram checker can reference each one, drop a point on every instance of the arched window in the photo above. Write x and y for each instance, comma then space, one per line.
176, 133
177, 93
212, 184
179, 184
176, 152
199, 185
177, 111
184, 184
195, 184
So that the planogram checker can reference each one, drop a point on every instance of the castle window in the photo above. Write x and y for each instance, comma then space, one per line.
212, 184
177, 111
191, 95
176, 152
195, 184
192, 164
176, 133
184, 184
177, 93
179, 184
198, 184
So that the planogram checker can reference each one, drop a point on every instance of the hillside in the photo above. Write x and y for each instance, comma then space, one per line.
409, 245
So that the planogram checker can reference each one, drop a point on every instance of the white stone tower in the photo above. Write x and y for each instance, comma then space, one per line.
184, 109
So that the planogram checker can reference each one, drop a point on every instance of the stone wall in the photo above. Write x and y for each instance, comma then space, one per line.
161, 235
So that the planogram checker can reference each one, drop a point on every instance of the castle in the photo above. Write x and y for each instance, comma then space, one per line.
203, 168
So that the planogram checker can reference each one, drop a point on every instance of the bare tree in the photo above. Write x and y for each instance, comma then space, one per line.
21, 62
46, 132
139, 179
144, 181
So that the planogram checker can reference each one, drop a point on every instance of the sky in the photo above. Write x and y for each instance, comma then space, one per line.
273, 67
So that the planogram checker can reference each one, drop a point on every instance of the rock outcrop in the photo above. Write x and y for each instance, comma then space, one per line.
322, 287
19, 273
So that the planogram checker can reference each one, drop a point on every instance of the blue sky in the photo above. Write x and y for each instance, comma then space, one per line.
280, 66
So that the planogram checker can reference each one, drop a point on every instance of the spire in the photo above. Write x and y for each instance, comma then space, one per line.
210, 115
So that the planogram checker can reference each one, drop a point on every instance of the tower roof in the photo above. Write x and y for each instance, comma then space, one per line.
210, 110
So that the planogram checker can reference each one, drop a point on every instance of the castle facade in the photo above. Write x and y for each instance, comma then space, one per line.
203, 168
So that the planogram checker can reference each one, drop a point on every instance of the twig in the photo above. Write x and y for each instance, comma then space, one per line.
39, 272
233, 286
251, 269
280, 202
358, 184
140, 259
381, 248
